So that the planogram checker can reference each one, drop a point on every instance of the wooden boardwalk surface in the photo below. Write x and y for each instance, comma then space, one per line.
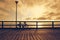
32, 34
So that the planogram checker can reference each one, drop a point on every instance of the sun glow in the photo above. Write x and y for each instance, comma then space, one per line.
33, 11
38, 10
40, 24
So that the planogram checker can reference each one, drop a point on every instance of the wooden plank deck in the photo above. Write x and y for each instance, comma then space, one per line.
32, 34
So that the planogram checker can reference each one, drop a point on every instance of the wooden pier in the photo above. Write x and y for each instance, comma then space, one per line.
29, 34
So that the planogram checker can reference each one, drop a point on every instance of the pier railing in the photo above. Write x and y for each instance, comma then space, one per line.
30, 24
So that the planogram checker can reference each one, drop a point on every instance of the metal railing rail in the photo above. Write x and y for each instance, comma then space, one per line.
19, 23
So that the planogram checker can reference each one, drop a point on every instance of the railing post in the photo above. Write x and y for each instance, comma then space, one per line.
24, 24
52, 24
16, 24
20, 24
36, 24
2, 24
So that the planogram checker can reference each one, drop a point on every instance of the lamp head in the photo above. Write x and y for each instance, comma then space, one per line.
16, 1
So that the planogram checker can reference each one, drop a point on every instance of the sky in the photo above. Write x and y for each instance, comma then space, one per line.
30, 10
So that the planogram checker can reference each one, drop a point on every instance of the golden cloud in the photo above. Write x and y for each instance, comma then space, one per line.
30, 10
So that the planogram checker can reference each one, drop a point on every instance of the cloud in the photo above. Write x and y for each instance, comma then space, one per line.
41, 18
4, 10
30, 9
2, 0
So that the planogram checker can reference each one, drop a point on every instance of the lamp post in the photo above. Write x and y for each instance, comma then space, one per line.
16, 1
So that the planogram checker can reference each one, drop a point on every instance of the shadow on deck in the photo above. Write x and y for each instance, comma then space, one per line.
32, 34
